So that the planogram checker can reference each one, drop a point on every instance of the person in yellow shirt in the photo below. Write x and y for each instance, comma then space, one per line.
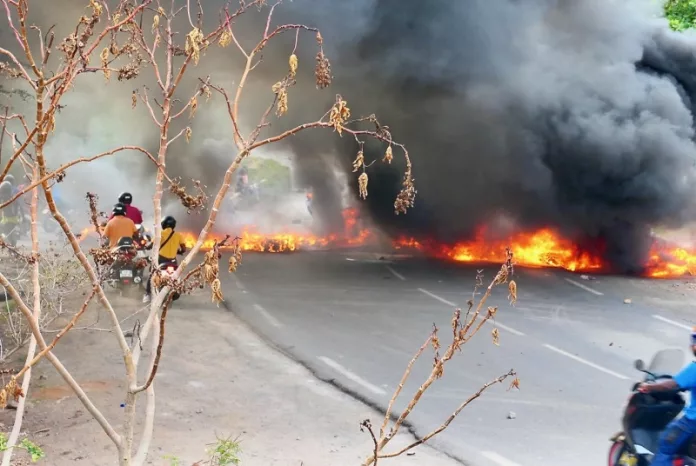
171, 244
119, 226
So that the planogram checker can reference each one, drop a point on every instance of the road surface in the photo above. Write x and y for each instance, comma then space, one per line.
356, 321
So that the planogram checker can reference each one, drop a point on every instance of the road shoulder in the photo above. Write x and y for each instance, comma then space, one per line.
217, 377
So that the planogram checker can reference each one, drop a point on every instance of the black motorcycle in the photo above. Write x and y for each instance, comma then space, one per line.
648, 414
130, 261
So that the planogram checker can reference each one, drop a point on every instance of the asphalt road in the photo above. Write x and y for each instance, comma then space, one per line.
357, 320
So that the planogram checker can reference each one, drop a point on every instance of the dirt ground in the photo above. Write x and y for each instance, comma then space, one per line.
216, 378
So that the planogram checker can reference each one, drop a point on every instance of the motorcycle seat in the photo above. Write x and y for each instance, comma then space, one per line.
126, 241
124, 245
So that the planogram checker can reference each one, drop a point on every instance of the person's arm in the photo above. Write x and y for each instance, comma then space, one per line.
684, 380
182, 244
662, 386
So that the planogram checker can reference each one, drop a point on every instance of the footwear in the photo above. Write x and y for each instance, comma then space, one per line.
146, 299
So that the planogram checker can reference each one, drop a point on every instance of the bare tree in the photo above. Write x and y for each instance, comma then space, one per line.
463, 330
116, 35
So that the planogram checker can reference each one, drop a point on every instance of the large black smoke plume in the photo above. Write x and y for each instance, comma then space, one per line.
564, 113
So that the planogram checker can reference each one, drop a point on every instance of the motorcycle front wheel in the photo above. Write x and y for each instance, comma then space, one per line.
616, 450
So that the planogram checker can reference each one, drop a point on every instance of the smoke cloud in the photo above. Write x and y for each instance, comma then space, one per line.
574, 115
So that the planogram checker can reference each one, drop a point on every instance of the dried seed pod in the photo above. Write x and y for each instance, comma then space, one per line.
282, 104
515, 384
216, 289
161, 12
194, 40
188, 133
233, 264
193, 106
205, 90
155, 23
496, 337
225, 38
134, 99
339, 114
96, 8
512, 288
362, 185
293, 62
388, 155
322, 71
359, 161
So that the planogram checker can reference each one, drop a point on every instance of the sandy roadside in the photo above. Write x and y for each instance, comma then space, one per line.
216, 378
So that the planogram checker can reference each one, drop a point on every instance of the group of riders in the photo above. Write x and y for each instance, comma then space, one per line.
123, 223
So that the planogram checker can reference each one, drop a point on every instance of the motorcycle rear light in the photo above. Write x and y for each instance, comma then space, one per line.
678, 462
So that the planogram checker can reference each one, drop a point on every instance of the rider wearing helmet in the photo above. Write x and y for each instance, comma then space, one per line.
243, 180
11, 214
171, 244
119, 226
679, 431
132, 212
9, 178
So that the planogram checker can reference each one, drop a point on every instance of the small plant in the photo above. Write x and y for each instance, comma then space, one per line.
173, 460
33, 449
224, 452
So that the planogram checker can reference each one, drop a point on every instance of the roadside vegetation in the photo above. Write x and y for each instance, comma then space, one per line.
681, 14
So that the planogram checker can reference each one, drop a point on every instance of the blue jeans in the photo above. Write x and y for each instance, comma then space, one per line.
672, 439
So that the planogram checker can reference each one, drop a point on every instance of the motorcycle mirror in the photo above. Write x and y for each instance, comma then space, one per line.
639, 364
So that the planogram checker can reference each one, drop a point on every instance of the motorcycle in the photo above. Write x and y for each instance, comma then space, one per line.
131, 260
10, 234
168, 268
647, 414
247, 198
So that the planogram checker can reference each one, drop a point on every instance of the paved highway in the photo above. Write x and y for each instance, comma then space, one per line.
356, 321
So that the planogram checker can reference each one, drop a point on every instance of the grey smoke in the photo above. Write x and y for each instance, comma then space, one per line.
576, 115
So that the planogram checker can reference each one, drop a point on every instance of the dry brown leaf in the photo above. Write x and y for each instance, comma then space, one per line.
188, 133
225, 38
359, 161
512, 288
362, 185
293, 62
388, 155
194, 106
514, 384
496, 337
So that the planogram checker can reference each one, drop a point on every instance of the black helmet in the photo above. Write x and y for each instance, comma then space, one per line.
168, 222
5, 190
10, 178
119, 209
125, 198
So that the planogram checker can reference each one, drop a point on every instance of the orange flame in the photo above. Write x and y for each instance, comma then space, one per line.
670, 262
543, 248
252, 240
